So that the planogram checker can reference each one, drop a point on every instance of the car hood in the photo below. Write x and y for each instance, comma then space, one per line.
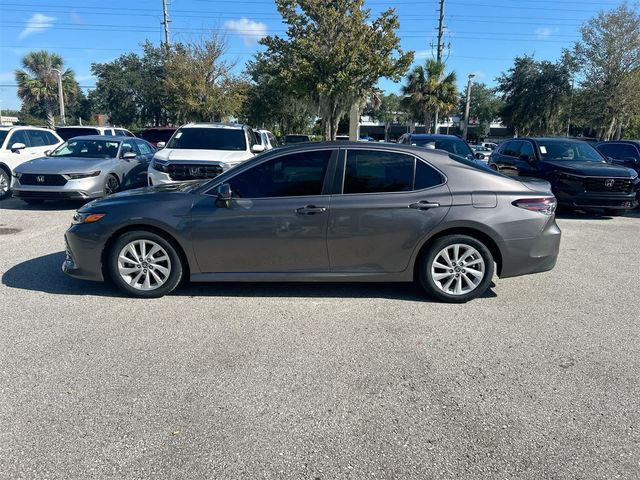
154, 193
57, 165
589, 169
201, 156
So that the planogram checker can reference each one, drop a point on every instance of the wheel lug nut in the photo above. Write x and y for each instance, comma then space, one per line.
450, 271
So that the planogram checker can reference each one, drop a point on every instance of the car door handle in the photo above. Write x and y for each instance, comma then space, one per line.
424, 205
310, 210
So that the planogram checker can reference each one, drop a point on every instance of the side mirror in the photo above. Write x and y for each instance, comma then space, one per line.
160, 145
257, 148
17, 147
224, 195
128, 155
47, 153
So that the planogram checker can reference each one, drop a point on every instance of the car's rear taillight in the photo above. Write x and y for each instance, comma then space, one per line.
545, 205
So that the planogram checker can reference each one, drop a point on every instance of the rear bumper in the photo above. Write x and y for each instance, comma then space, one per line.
531, 255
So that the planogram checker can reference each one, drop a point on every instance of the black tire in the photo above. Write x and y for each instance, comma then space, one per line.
5, 179
175, 265
614, 212
111, 185
33, 201
429, 283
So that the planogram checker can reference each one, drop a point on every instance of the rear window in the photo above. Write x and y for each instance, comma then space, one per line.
67, 133
155, 136
209, 139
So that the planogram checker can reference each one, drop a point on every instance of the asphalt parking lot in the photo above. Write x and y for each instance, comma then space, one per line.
538, 379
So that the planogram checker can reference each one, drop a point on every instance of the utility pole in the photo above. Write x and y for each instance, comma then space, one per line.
439, 53
167, 42
570, 110
60, 95
465, 127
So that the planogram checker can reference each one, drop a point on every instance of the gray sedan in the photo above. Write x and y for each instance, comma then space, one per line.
323, 212
84, 168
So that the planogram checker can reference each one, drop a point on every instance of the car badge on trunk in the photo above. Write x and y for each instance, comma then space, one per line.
609, 182
40, 179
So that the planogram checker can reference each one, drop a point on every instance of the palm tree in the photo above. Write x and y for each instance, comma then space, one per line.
38, 82
430, 90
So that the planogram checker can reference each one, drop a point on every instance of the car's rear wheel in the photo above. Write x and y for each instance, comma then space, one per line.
456, 269
111, 185
5, 184
144, 264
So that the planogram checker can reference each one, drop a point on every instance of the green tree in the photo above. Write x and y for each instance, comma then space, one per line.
334, 54
536, 96
388, 111
429, 90
608, 58
38, 83
485, 106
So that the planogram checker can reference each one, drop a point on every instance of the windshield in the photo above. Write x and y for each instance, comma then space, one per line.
568, 151
3, 135
209, 139
67, 133
459, 147
87, 149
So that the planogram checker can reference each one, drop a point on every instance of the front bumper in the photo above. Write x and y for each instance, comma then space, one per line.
81, 189
156, 177
83, 257
531, 255
622, 201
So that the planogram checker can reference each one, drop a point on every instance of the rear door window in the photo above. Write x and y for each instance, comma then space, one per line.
627, 151
526, 148
19, 136
511, 149
369, 171
294, 175
38, 138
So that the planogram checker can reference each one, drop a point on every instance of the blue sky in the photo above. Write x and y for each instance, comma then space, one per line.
483, 36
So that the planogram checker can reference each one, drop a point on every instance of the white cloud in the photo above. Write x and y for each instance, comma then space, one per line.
249, 30
545, 32
37, 23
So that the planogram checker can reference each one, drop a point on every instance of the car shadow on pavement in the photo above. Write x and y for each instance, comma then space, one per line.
57, 205
44, 274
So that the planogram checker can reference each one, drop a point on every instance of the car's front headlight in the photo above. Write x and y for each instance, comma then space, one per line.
161, 167
87, 217
76, 176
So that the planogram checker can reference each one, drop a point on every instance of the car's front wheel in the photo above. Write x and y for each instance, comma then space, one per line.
5, 184
456, 269
144, 264
111, 185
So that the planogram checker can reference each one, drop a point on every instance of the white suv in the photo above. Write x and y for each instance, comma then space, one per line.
201, 151
19, 145
79, 130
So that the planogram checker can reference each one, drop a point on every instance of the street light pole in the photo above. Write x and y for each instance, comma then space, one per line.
465, 127
60, 95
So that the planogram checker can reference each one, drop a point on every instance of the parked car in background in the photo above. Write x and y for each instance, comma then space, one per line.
481, 153
448, 143
490, 145
156, 135
324, 212
84, 168
19, 145
267, 139
295, 138
203, 150
342, 138
579, 175
80, 130
622, 152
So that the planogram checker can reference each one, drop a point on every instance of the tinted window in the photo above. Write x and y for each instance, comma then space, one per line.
610, 150
568, 150
296, 138
18, 137
107, 131
70, 132
209, 139
510, 149
87, 149
426, 176
157, 135
52, 139
38, 138
526, 148
3, 135
121, 133
272, 139
451, 145
627, 151
376, 171
129, 146
293, 175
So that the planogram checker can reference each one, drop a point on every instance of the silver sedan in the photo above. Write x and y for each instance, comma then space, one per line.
84, 168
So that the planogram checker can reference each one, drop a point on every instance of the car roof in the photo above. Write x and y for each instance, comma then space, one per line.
637, 142
13, 127
112, 138
232, 126
432, 136
150, 129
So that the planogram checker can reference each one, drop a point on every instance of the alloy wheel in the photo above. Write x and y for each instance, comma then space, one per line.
458, 269
111, 186
4, 182
144, 265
